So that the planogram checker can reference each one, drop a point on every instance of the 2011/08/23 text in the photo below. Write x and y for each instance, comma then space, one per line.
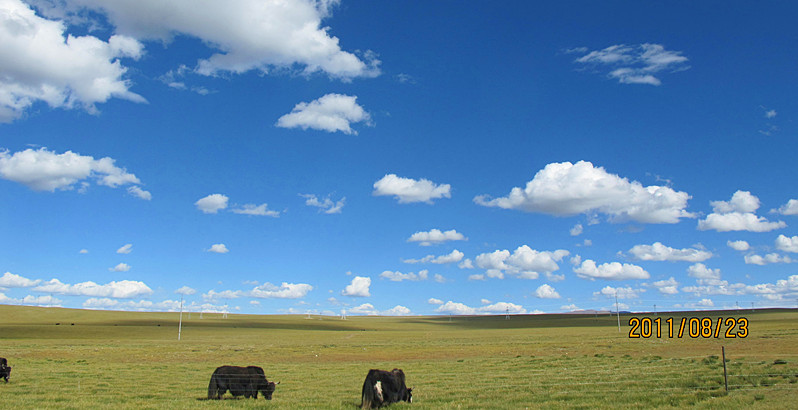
693, 327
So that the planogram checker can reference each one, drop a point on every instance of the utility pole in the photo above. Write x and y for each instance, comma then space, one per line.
507, 314
655, 309
618, 311
180, 324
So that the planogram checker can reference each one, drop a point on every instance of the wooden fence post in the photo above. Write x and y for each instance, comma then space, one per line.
725, 375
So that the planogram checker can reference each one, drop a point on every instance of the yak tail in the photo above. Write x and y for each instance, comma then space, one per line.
369, 398
213, 388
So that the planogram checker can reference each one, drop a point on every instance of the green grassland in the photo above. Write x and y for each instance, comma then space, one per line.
69, 358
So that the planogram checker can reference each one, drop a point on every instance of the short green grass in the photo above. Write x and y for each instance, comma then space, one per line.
75, 359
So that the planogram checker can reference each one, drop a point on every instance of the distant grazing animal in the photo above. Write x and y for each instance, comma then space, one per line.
241, 381
5, 369
382, 388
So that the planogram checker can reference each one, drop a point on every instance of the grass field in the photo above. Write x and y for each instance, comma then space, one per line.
66, 358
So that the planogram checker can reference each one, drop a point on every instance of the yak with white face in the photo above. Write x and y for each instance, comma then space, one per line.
382, 388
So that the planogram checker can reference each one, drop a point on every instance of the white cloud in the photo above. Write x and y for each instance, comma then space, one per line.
122, 267
440, 278
327, 205
83, 251
767, 259
117, 289
452, 257
10, 280
612, 271
407, 190
436, 236
331, 113
397, 310
433, 301
660, 252
185, 290
125, 249
39, 62
738, 245
213, 295
399, 276
140, 193
622, 293
737, 215
364, 309
546, 292
218, 248
634, 64
524, 262
211, 204
47, 300
44, 170
466, 264
358, 288
284, 291
705, 275
790, 208
576, 230
787, 244
258, 210
770, 114
667, 287
564, 189
246, 35
456, 308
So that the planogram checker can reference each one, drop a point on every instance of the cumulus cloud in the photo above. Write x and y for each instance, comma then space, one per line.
767, 259
136, 191
790, 208
408, 190
218, 248
39, 62
45, 170
546, 292
705, 275
326, 205
637, 64
257, 210
397, 310
122, 267
456, 308
211, 204
660, 252
738, 215
245, 35
576, 230
10, 280
564, 189
787, 244
399, 276
331, 113
738, 245
123, 289
185, 290
524, 262
611, 271
622, 293
125, 249
284, 291
436, 236
452, 257
358, 288
667, 287
433, 301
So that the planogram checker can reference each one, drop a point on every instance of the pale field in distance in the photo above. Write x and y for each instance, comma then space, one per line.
101, 359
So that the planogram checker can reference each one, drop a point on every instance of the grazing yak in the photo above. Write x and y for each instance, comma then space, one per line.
5, 369
382, 388
241, 381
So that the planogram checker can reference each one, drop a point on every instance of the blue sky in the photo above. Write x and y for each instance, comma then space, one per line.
398, 158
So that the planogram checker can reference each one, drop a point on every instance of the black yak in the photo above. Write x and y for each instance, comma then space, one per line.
5, 369
241, 381
382, 388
